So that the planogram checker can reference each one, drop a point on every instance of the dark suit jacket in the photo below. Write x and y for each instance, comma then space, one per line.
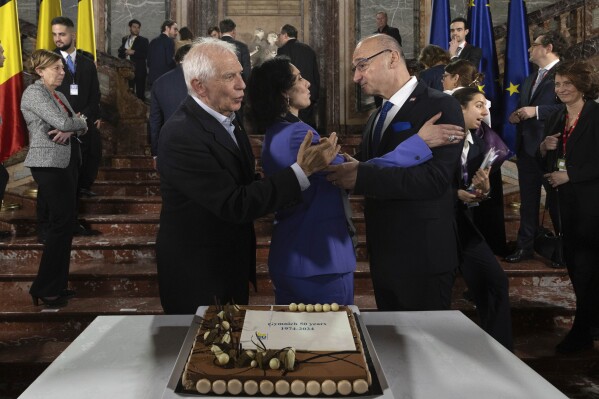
243, 55
432, 77
167, 94
304, 59
140, 45
206, 246
472, 54
161, 53
393, 32
530, 132
582, 164
87, 101
410, 212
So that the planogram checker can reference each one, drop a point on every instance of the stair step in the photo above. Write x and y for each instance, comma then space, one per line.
83, 307
121, 204
128, 174
127, 187
111, 248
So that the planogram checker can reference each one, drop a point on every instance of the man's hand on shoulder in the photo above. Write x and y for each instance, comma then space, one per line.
439, 135
314, 158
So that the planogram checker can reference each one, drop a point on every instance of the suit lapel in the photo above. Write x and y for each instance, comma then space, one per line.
582, 126
367, 134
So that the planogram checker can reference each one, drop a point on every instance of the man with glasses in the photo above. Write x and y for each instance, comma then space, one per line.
410, 224
537, 103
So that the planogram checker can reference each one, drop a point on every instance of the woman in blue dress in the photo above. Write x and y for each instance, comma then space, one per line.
311, 257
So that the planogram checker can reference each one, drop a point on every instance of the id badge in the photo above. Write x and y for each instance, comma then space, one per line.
74, 90
561, 164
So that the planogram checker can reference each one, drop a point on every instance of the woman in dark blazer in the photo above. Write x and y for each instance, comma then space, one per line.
311, 257
570, 151
54, 157
434, 59
487, 282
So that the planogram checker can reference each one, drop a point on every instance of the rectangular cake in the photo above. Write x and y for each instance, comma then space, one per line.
277, 352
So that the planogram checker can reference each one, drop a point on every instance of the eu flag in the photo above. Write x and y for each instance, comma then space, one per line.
440, 23
481, 35
517, 66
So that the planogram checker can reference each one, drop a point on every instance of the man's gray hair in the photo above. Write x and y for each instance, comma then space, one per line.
200, 61
385, 41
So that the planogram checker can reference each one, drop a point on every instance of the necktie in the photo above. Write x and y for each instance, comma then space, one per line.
540, 76
458, 51
378, 129
70, 64
465, 150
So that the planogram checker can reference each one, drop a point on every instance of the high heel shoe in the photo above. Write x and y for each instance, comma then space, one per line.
57, 302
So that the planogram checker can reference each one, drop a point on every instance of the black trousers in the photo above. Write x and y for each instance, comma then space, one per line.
486, 281
57, 190
138, 84
91, 157
3, 180
530, 180
414, 292
581, 252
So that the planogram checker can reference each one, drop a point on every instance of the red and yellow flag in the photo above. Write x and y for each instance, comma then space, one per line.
86, 34
13, 131
49, 9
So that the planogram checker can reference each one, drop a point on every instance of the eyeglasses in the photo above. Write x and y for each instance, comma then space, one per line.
363, 64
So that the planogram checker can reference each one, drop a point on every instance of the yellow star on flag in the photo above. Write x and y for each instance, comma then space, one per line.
481, 88
471, 3
513, 89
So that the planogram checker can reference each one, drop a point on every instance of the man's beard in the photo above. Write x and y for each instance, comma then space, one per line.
65, 47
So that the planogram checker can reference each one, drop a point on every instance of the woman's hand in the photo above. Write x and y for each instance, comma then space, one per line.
60, 137
349, 158
481, 180
549, 143
557, 178
467, 197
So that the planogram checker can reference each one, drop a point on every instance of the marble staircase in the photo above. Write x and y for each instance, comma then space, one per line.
115, 273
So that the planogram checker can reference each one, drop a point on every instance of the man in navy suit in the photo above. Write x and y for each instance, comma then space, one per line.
134, 47
228, 30
537, 102
409, 212
82, 89
458, 47
206, 244
167, 93
304, 59
161, 51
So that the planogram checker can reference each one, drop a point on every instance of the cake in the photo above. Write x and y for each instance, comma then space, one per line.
276, 351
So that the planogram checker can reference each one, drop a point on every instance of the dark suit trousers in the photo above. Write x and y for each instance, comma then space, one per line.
581, 252
91, 156
413, 292
138, 84
487, 282
57, 189
3, 180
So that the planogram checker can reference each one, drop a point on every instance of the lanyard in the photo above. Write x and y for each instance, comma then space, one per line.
568, 132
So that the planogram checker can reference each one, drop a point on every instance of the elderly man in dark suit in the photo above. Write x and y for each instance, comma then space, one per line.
167, 94
537, 103
410, 215
206, 245
304, 59
82, 89
161, 51
382, 27
134, 48
458, 47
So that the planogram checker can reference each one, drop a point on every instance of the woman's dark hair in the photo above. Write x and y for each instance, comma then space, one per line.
582, 75
185, 33
267, 86
465, 95
432, 55
469, 75
212, 29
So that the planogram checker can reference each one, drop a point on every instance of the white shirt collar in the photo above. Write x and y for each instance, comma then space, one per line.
398, 100
65, 54
226, 121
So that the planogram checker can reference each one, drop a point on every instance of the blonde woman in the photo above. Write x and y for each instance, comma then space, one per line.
54, 158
